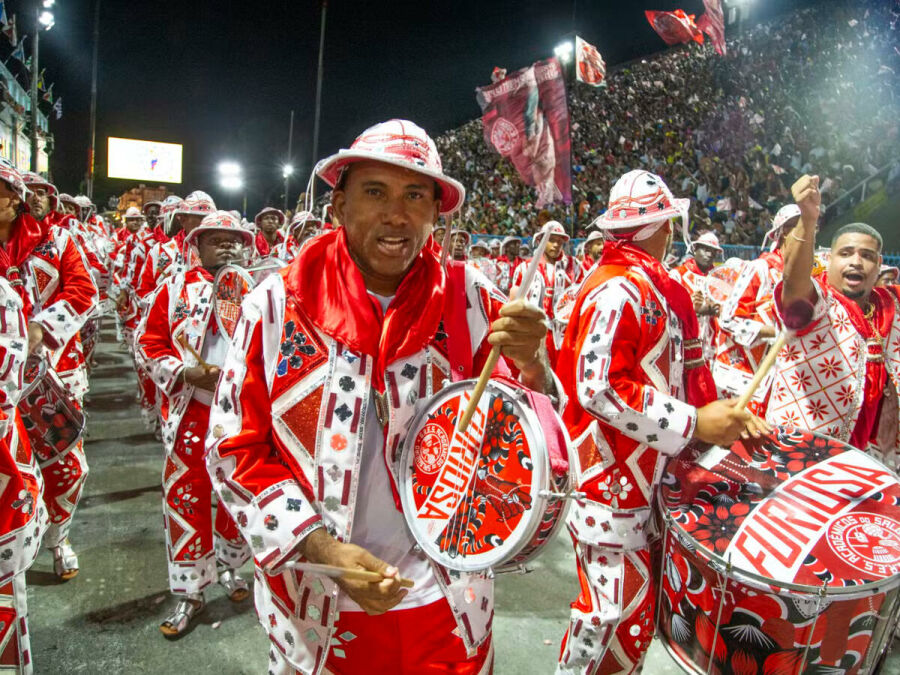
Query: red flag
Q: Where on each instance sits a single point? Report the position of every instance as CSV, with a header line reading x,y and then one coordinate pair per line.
x,y
590,67
674,27
712,22
526,120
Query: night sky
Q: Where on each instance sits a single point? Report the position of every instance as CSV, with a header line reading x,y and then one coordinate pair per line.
x,y
222,77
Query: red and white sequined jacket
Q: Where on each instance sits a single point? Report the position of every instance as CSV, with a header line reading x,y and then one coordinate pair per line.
x,y
163,260
694,279
839,375
181,312
624,365
287,422
23,516
63,296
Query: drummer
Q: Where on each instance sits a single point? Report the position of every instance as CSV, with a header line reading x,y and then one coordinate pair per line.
x,y
199,553
638,391
329,359
268,223
846,343
692,274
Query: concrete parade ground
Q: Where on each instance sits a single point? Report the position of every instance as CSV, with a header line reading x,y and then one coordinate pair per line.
x,y
106,620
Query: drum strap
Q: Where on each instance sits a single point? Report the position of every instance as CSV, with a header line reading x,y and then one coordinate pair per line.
x,y
459,347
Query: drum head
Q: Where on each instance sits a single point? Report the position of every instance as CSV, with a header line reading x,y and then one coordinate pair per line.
x,y
471,500
720,281
232,283
796,512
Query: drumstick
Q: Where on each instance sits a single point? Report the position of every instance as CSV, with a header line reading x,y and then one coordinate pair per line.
x,y
494,356
182,340
445,245
336,572
762,371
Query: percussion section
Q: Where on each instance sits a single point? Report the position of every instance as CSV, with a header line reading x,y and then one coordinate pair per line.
x,y
780,556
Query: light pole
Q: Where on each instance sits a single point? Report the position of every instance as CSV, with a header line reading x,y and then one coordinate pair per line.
x,y
93,150
318,109
231,179
287,171
46,20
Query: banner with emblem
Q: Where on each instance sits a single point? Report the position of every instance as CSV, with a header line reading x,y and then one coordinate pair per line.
x,y
712,22
526,119
674,27
590,67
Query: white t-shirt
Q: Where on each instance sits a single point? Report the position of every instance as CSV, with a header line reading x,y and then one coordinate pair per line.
x,y
378,526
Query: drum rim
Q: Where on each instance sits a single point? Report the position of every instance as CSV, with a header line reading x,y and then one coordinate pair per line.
x,y
540,470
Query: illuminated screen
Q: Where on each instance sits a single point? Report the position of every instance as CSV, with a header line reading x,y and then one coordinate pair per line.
x,y
144,160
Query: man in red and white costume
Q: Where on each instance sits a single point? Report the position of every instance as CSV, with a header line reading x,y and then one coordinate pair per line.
x,y
23,516
507,263
268,223
328,360
593,249
839,372
551,281
479,258
747,322
692,274
459,244
638,391
179,326
303,226
60,297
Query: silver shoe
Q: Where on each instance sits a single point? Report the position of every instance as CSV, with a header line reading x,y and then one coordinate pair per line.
x,y
237,588
185,612
65,562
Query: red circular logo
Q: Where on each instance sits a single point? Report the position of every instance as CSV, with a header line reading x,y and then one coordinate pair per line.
x,y
868,541
431,448
504,136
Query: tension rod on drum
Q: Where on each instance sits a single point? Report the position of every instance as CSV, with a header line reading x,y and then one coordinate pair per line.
x,y
819,597
723,589
570,494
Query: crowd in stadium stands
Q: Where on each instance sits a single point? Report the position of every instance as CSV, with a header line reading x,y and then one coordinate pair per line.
x,y
805,93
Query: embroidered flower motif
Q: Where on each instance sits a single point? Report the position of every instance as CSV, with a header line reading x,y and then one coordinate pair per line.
x,y
338,442
830,366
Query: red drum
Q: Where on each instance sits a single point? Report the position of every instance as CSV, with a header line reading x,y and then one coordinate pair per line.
x,y
231,284
721,280
51,416
492,497
779,557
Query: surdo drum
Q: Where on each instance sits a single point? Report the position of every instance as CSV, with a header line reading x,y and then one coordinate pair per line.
x,y
489,498
779,557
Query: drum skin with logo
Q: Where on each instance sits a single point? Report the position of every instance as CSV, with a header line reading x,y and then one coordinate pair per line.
x,y
488,498
779,557
50,415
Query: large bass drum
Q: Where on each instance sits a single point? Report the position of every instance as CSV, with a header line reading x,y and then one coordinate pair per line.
x,y
779,557
492,497
50,415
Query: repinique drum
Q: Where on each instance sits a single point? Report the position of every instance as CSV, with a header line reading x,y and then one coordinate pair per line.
x,y
50,415
231,284
492,497
780,557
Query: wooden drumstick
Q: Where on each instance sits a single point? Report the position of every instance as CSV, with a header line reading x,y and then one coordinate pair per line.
x,y
182,340
494,356
336,572
762,371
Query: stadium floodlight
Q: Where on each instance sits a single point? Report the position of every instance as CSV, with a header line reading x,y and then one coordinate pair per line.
x,y
46,19
564,50
287,170
231,183
229,168
49,3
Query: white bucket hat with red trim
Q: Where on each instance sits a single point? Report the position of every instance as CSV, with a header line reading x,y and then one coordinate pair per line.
x,y
35,180
710,240
198,203
480,243
400,143
272,210
554,228
784,214
304,219
133,212
464,233
640,198
220,221
167,211
10,176
147,205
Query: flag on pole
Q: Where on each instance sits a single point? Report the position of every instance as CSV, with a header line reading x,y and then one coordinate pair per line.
x,y
19,52
48,95
9,28
590,67
41,84
674,27
712,22
526,120
57,107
